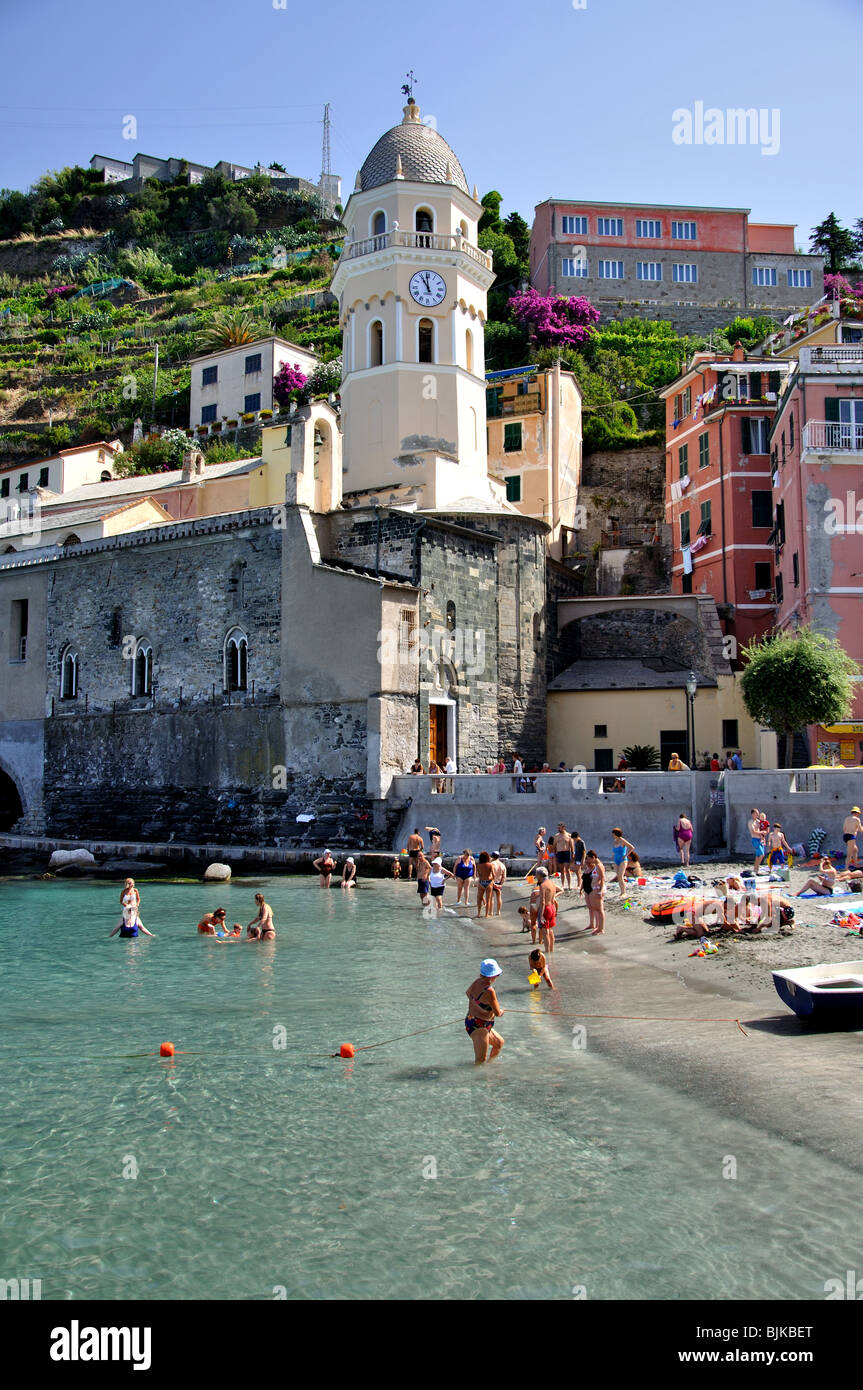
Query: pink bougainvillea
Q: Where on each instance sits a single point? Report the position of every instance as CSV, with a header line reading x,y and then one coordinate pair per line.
x,y
836,286
288,383
553,319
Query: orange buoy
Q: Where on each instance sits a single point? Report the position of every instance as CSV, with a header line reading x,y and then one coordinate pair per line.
x,y
347,1050
166,1050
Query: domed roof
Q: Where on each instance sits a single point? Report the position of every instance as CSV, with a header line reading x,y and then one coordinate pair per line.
x,y
412,151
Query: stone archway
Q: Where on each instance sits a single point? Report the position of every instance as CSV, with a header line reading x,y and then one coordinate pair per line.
x,y
11,802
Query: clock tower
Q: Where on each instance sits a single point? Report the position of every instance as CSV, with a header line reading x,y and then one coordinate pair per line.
x,y
412,286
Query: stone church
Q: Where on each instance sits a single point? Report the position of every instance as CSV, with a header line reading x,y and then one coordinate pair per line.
x,y
229,678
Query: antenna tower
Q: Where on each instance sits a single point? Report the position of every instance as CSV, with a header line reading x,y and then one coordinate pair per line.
x,y
326,167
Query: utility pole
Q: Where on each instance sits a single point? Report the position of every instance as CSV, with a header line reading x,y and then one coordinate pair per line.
x,y
326,167
155,379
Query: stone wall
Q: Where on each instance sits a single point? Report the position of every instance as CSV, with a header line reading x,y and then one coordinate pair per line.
x,y
694,319
182,589
643,634
628,485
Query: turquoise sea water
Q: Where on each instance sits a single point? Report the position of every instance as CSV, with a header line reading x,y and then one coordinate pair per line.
x,y
263,1168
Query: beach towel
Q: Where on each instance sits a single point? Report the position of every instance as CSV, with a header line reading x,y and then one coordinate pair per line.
x,y
827,897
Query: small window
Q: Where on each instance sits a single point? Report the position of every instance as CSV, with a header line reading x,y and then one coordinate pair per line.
x,y
683,460
513,487
537,629
684,273
780,588
142,669
762,509
44,474
647,227
683,231
210,375
4,487
424,221
791,430
236,660
609,226
252,403
407,631
253,363
648,270
705,529
729,733
573,226
704,450
600,731
574,266
795,569
18,633
763,275
208,413
376,344
69,675
468,350
379,224
24,482
684,528
425,341
512,439
611,270
450,616
763,575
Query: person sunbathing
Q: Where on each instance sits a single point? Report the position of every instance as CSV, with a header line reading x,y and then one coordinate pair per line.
x,y
822,883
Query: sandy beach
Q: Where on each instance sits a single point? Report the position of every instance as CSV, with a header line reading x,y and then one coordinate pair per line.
x,y
742,964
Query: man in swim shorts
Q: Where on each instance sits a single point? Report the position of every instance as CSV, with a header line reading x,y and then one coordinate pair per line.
x,y
416,845
755,834
563,845
423,878
547,909
851,826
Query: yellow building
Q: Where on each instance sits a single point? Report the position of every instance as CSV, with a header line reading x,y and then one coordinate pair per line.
x,y
534,445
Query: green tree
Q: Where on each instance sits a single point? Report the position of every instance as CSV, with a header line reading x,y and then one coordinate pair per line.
x,y
791,680
835,241
519,234
490,219
231,328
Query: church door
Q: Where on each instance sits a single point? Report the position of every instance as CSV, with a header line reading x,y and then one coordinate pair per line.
x,y
437,734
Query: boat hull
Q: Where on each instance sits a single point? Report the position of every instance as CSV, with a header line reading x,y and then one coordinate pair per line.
x,y
822,989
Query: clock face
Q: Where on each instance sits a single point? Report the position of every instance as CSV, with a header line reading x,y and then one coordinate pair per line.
x,y
427,288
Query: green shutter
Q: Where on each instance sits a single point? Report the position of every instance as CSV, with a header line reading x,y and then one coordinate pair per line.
x,y
831,410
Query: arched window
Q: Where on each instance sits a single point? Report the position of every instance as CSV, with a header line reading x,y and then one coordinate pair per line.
x,y
105,476
69,675
462,226
379,223
376,344
468,350
424,223
425,341
236,657
142,668
10,550
450,616
72,539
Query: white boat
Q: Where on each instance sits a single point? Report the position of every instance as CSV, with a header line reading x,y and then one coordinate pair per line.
x,y
821,989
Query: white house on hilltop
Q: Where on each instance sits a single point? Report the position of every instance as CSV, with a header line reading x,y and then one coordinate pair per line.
x,y
237,380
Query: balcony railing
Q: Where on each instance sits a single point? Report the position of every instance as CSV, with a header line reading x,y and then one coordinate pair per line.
x,y
420,241
514,405
620,537
831,354
830,437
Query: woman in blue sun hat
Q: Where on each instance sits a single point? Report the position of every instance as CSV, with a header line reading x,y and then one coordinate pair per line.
x,y
482,1010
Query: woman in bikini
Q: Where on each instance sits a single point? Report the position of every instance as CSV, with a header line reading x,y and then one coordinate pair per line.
x,y
465,870
483,884
264,919
325,865
633,867
594,870
482,1010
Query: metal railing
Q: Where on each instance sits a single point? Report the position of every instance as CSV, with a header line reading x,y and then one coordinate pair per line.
x,y
620,537
829,353
834,437
421,241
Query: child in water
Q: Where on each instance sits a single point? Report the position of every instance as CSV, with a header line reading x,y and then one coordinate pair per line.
x,y
539,964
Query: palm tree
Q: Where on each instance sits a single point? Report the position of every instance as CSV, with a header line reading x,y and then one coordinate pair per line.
x,y
232,328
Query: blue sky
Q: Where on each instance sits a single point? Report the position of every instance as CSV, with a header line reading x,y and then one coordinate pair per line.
x,y
538,100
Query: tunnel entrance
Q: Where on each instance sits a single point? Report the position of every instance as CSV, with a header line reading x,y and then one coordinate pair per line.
x,y
11,808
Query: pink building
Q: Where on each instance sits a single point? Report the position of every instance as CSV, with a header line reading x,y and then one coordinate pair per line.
x,y
816,444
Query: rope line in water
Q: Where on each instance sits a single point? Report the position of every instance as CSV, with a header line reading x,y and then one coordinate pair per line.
x,y
641,1018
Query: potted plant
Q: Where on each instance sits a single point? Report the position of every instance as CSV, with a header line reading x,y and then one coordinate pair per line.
x,y
232,424
266,415
249,417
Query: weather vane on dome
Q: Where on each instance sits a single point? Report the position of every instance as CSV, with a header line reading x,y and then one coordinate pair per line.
x,y
408,87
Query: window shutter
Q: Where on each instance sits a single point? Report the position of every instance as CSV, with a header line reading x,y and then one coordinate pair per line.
x,y
831,410
755,386
746,435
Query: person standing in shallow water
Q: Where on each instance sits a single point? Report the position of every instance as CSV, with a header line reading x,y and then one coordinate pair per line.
x,y
482,1010
325,865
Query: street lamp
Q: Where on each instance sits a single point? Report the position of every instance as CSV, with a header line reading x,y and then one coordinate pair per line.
x,y
691,687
